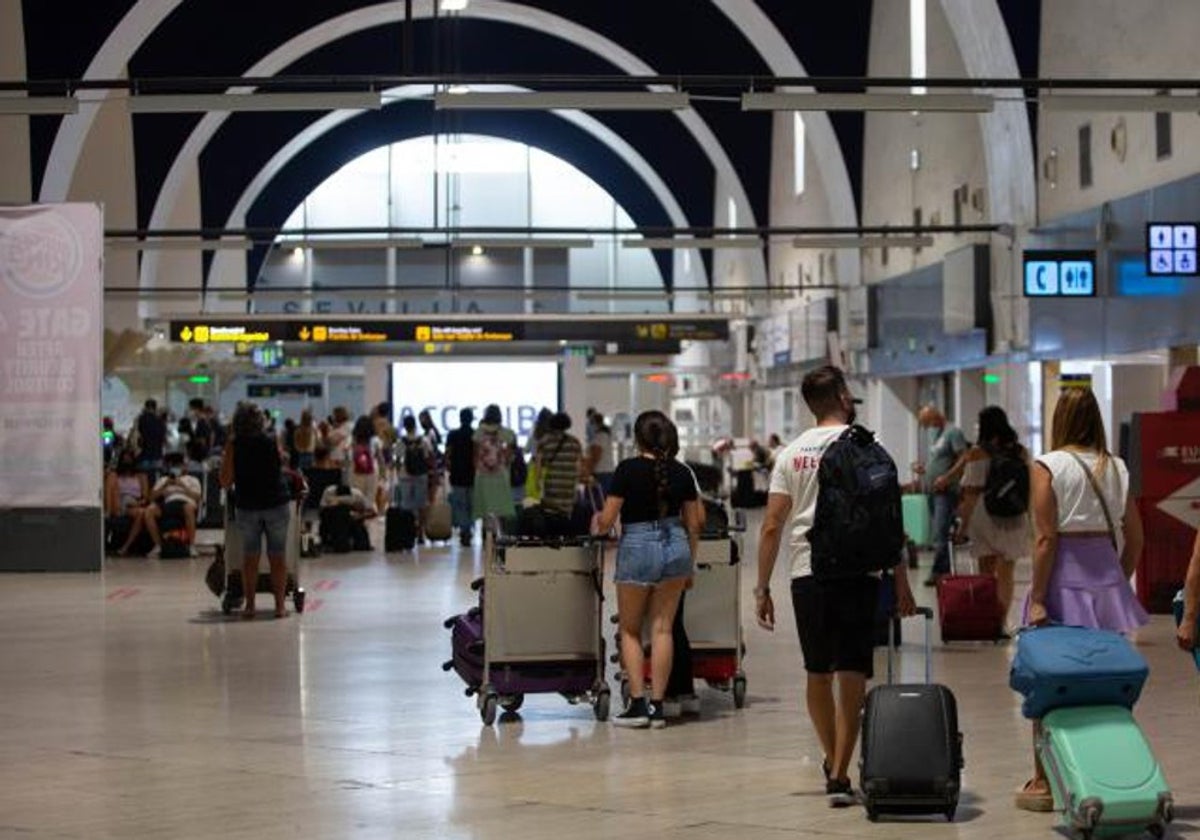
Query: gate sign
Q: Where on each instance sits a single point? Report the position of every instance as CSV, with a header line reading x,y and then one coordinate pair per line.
x,y
51,325
1060,274
1171,249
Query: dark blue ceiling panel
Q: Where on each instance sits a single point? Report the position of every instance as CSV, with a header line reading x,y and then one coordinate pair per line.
x,y
406,120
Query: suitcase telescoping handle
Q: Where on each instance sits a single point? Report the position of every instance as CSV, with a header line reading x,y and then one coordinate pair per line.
x,y
891,645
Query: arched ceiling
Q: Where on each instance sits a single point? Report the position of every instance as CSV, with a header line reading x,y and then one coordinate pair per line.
x,y
167,38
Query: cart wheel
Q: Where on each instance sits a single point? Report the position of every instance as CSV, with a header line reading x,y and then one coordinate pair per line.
x,y
487,711
601,707
739,692
298,598
512,702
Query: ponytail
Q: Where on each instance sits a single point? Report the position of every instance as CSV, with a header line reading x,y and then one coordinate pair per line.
x,y
656,435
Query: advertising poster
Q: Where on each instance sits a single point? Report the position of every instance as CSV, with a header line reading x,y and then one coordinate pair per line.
x,y
51,323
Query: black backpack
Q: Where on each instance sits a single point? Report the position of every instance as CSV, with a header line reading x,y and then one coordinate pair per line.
x,y
518,470
415,460
858,526
1006,489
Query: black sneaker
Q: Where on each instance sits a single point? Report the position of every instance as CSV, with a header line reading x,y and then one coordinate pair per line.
x,y
840,793
658,714
635,716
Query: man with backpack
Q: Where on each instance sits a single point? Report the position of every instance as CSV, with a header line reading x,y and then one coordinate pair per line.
x,y
414,456
838,493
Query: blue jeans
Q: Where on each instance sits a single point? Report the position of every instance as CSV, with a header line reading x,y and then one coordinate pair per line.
x,y
273,522
942,507
652,552
460,509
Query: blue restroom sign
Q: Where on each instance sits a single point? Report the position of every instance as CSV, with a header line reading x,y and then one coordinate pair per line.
x,y
1060,273
1171,249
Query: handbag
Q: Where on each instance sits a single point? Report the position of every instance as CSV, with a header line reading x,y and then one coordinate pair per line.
x,y
214,578
1112,532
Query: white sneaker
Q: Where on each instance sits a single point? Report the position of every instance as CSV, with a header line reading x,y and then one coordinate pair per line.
x,y
690,704
154,553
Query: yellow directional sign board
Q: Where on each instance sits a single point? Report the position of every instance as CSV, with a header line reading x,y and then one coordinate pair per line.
x,y
226,334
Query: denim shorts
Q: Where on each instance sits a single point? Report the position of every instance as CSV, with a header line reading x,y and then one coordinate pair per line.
x,y
652,552
273,522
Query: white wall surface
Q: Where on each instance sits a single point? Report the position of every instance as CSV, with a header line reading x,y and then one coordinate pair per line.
x,y
1115,39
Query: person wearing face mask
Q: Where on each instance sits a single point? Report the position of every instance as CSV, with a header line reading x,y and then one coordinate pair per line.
x,y
176,492
946,447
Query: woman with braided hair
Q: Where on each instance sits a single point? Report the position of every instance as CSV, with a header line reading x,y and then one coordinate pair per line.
x,y
656,500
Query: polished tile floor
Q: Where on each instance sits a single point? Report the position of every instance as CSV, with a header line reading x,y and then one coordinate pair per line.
x,y
131,707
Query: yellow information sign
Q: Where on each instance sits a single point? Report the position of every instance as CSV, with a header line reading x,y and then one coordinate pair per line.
x,y
206,334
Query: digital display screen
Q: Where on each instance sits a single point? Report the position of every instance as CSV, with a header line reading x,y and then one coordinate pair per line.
x,y
520,388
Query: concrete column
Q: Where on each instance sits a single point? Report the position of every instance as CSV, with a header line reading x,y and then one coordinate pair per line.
x,y
970,396
15,177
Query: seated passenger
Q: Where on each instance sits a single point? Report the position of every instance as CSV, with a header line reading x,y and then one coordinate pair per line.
x,y
175,494
344,512
126,494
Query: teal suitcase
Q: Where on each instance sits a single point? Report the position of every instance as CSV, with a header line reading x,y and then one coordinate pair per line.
x,y
915,509
1104,777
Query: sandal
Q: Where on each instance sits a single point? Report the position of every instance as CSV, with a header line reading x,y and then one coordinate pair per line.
x,y
1031,797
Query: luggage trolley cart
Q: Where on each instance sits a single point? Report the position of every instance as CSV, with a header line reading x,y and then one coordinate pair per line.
x,y
713,616
234,594
537,629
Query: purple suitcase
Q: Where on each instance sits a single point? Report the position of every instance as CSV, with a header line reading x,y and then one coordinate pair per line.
x,y
511,681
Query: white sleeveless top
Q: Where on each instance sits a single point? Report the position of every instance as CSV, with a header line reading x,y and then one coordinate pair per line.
x,y
1078,507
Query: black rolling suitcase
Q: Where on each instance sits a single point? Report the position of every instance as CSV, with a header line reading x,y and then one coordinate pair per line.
x,y
400,530
911,760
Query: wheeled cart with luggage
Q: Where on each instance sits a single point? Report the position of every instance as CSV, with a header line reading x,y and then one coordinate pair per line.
x,y
713,618
234,594
537,627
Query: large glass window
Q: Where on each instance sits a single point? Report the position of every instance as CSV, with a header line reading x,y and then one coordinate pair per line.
x,y
468,181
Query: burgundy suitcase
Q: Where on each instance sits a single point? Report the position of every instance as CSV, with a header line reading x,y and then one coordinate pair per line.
x,y
969,607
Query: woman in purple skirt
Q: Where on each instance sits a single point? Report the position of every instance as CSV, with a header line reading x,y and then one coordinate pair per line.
x,y
1087,539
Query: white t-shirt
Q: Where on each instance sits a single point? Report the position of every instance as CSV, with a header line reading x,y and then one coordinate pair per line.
x,y
1078,507
795,475
185,488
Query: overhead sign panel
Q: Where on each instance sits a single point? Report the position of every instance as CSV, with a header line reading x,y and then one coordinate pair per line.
x,y
450,331
1171,249
1060,274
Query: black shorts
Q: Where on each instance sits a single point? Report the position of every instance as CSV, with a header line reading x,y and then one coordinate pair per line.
x,y
836,623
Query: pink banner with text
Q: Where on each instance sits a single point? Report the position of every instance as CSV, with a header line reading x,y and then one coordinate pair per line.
x,y
51,347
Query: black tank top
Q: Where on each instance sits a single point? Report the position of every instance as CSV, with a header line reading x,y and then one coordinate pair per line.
x,y
257,473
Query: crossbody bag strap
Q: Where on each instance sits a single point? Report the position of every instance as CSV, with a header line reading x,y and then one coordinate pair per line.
x,y
1112,532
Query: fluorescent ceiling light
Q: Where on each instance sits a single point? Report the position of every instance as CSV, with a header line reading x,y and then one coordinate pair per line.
x,y
10,104
179,244
1121,102
178,103
576,100
454,5
350,244
676,244
928,102
863,242
526,242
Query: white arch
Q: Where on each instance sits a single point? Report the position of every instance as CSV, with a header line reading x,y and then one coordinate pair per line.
x,y
987,51
109,63
382,13
773,47
587,123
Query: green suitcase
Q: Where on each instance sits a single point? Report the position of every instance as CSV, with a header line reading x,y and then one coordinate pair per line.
x,y
915,508
1103,773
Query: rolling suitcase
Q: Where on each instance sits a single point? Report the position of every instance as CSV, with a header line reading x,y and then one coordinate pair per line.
x,y
911,755
438,524
400,530
1060,666
969,607
1103,774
